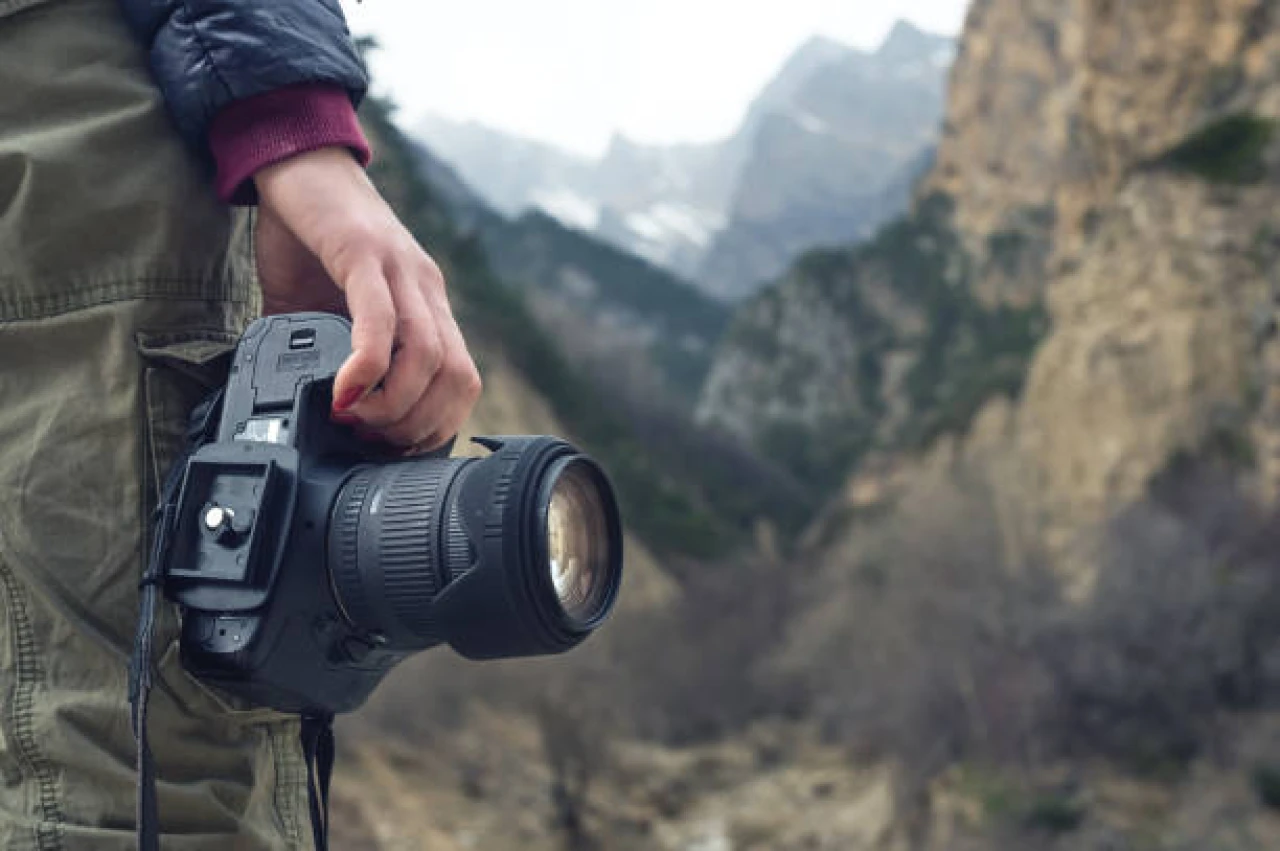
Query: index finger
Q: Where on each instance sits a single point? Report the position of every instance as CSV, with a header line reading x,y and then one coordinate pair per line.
x,y
373,328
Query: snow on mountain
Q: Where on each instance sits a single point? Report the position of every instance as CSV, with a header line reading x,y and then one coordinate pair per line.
x,y
569,207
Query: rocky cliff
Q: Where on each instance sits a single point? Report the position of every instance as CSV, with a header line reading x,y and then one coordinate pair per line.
x,y
1141,136
1112,164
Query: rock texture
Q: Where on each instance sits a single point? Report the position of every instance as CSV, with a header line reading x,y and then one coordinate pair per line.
x,y
1159,278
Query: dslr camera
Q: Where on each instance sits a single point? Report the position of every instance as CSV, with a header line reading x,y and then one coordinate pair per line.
x,y
308,563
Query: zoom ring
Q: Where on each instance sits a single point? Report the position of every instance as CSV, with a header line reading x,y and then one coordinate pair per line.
x,y
406,545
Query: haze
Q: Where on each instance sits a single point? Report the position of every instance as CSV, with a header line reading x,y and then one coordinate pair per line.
x,y
574,72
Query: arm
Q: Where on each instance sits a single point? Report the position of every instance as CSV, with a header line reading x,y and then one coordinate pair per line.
x,y
268,88
208,54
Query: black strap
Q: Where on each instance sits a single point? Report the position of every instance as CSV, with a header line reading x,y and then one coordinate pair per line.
x,y
318,750
141,664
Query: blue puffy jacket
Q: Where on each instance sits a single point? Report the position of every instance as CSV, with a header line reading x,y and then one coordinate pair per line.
x,y
206,54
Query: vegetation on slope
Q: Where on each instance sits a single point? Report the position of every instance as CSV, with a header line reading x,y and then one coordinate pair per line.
x,y
962,352
1230,150
533,250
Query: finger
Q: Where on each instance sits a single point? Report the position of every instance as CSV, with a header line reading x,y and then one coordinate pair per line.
x,y
415,360
448,402
373,327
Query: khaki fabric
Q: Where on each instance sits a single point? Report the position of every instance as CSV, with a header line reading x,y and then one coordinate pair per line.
x,y
122,282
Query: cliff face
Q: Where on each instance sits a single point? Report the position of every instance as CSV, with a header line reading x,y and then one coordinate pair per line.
x,y
1113,164
1144,130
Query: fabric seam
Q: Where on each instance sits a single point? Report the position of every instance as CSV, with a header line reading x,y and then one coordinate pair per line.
x,y
48,831
17,309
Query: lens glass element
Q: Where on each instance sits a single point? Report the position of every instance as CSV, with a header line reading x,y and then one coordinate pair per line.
x,y
578,543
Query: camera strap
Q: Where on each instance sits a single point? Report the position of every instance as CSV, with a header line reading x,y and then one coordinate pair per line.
x,y
200,429
318,751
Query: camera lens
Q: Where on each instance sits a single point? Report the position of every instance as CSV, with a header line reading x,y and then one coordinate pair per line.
x,y
578,541
515,554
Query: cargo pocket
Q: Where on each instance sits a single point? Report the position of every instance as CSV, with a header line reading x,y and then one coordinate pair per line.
x,y
182,368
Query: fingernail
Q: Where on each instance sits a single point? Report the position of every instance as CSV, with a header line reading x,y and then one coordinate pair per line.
x,y
344,418
349,398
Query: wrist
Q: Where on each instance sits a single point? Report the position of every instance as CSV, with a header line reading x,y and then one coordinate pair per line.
x,y
256,133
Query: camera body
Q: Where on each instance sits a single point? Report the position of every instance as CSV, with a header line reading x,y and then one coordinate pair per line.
x,y
273,636
307,564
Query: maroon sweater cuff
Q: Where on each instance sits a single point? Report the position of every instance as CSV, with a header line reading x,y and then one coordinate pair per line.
x,y
251,134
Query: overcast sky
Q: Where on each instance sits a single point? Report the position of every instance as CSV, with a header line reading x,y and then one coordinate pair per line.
x,y
574,71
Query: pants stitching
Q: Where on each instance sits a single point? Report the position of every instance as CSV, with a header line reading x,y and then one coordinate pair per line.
x,y
48,833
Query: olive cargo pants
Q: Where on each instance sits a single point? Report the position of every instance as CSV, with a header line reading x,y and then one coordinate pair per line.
x,y
121,282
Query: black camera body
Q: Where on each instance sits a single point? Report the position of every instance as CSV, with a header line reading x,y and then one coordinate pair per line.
x,y
308,563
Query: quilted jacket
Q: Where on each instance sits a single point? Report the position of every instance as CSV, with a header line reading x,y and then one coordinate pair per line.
x,y
206,54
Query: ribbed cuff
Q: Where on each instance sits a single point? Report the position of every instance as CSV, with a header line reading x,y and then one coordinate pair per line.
x,y
251,134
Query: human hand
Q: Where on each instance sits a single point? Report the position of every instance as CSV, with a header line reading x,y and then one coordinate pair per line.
x,y
326,240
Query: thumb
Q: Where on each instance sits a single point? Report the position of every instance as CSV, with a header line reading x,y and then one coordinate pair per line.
x,y
373,328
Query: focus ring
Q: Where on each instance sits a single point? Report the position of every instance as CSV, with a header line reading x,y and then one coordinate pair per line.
x,y
344,548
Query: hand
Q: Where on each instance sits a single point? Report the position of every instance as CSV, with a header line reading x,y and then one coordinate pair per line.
x,y
326,240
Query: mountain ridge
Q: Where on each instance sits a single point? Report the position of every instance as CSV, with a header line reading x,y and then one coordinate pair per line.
x,y
678,205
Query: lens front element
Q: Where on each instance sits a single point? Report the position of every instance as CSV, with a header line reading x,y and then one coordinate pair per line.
x,y
578,542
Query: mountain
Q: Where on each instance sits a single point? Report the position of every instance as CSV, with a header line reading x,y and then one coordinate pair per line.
x,y
611,311
660,203
508,171
628,321
872,348
833,153
824,153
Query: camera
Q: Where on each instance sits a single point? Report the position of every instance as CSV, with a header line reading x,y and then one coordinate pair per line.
x,y
308,563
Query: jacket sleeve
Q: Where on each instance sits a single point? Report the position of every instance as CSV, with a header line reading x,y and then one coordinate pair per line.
x,y
207,54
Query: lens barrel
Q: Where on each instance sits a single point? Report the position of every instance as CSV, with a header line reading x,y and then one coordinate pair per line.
x,y
515,554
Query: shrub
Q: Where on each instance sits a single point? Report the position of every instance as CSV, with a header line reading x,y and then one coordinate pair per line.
x,y
948,652
1229,150
1266,784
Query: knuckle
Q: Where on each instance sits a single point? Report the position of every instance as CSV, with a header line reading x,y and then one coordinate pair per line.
x,y
423,340
472,383
431,271
382,317
373,360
